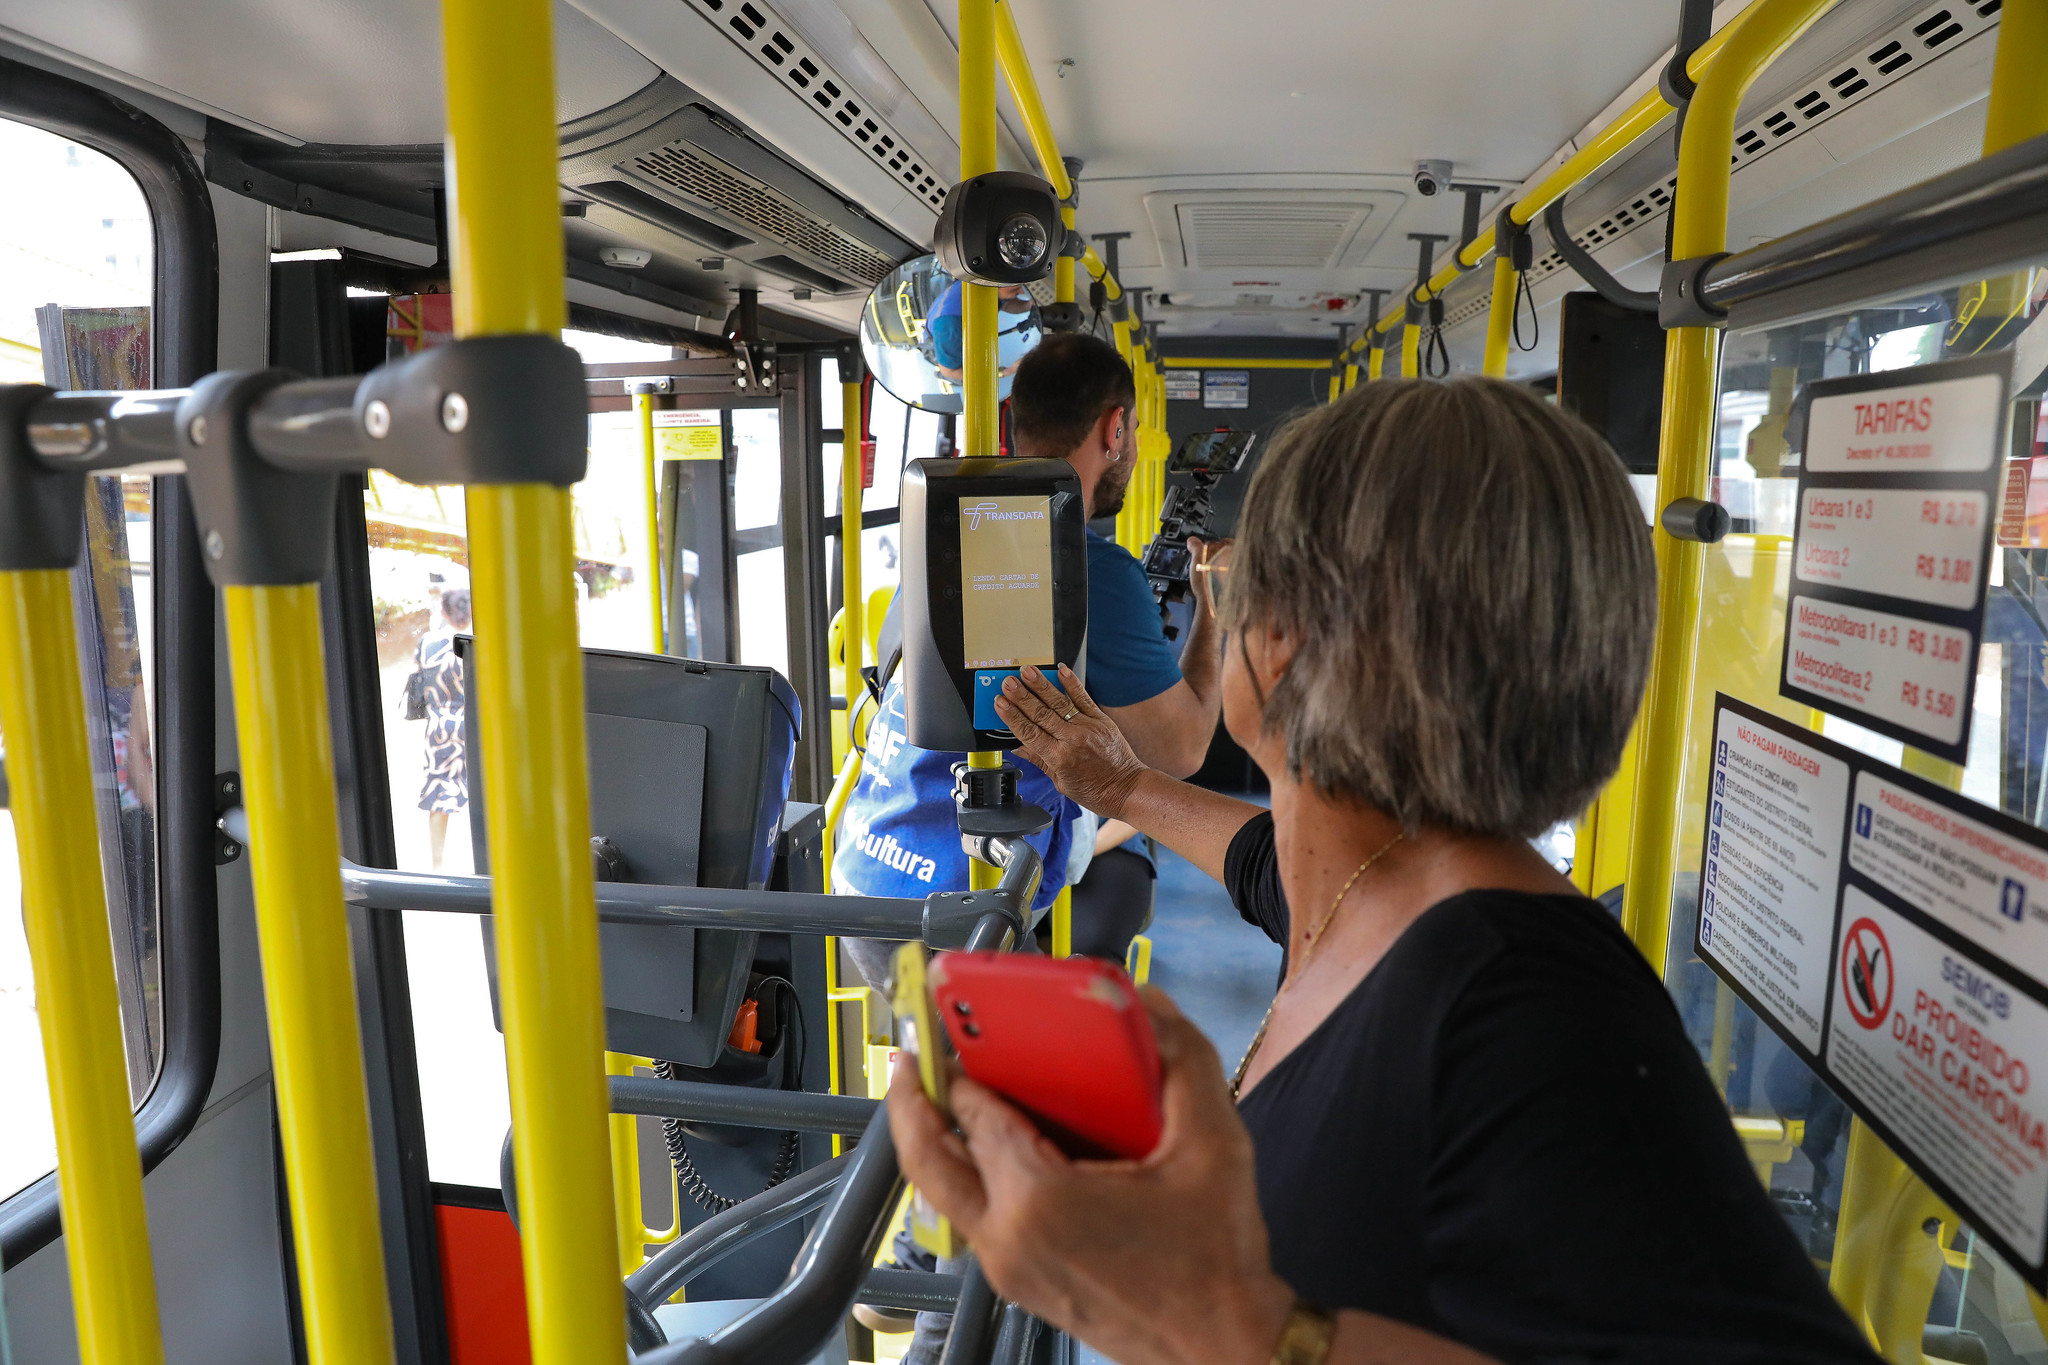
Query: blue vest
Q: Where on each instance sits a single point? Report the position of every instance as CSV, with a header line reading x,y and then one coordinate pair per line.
x,y
900,835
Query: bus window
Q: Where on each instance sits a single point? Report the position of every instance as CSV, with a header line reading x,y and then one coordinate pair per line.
x,y
1795,1128
75,278
419,562
762,624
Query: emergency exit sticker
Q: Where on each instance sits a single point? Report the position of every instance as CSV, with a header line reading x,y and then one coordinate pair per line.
x,y
689,434
1898,495
1943,1054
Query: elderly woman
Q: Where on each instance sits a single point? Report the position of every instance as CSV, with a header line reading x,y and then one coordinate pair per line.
x,y
1471,1126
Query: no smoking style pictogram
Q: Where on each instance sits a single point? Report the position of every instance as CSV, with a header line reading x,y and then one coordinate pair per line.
x,y
1866,973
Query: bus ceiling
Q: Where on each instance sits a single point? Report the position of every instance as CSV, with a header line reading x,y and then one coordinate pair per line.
x,y
1272,169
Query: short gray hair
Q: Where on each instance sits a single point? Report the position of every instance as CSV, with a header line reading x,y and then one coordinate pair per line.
x,y
1468,582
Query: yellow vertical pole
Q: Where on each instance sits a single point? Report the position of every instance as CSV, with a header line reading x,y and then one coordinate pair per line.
x,y
1411,350
1375,362
1063,923
71,956
977,157
1686,443
853,633
1063,266
1350,379
2018,108
627,1215
323,1105
981,437
1500,318
853,640
506,229
643,403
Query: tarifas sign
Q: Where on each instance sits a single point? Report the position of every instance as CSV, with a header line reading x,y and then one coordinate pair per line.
x,y
1895,934
1897,508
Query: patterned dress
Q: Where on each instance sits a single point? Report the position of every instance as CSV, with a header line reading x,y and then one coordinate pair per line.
x,y
447,784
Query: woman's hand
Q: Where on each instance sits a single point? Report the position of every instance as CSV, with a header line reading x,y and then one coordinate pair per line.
x,y
1070,739
1160,1260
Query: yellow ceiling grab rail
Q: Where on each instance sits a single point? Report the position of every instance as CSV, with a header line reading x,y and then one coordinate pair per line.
x,y
1646,113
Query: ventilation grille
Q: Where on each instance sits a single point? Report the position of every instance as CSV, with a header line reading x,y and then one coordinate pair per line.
x,y
1269,236
1890,57
775,46
688,171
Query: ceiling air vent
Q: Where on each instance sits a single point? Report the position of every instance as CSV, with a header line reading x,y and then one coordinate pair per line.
x,y
776,45
686,170
1222,236
1268,230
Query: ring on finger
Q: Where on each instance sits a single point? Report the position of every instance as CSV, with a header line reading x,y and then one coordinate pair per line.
x,y
1069,713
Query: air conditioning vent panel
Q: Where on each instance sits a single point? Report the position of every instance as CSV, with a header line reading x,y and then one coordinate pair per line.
x,y
650,209
694,173
1264,230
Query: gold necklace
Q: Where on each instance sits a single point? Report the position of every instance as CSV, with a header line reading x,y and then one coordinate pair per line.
x,y
1307,949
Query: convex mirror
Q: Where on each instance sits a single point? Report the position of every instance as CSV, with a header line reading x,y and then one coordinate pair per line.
x,y
910,334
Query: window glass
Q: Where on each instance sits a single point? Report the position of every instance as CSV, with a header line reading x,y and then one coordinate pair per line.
x,y
1794,1126
419,563
757,537
75,279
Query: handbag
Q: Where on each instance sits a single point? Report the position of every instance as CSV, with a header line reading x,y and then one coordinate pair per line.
x,y
416,688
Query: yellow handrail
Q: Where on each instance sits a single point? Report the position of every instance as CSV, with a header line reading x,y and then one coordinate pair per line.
x,y
643,404
1024,87
1189,362
1639,118
979,388
853,635
323,1103
71,955
1691,362
506,233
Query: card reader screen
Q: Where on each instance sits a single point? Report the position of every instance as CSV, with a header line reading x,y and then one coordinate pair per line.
x,y
1006,600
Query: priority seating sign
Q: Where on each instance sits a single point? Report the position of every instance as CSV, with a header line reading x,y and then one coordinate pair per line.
x,y
1895,934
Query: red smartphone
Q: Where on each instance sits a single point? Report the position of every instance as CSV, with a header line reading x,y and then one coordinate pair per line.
x,y
1065,1039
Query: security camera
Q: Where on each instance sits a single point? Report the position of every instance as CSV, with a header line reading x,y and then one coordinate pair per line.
x,y
1431,177
625,257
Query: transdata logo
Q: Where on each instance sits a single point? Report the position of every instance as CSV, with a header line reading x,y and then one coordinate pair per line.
x,y
978,512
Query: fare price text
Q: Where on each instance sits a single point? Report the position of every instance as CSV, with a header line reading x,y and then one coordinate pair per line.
x,y
1898,668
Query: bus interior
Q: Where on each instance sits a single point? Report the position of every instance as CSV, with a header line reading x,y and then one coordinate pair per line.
x,y
402,1085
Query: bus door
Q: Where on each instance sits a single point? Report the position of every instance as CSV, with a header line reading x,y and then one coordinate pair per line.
x,y
734,467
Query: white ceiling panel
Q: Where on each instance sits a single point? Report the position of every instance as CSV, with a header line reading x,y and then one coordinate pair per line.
x,y
345,71
1357,86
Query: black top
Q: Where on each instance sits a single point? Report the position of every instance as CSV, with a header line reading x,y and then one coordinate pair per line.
x,y
1503,1135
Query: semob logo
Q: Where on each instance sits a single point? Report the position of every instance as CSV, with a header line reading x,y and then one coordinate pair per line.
x,y
977,513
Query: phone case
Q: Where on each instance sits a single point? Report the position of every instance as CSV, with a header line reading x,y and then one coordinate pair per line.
x,y
926,1041
1066,1039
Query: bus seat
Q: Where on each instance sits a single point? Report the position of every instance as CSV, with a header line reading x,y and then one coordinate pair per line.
x,y
665,734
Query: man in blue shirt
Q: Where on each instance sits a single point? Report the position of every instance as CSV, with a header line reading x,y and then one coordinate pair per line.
x,y
943,325
1072,399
